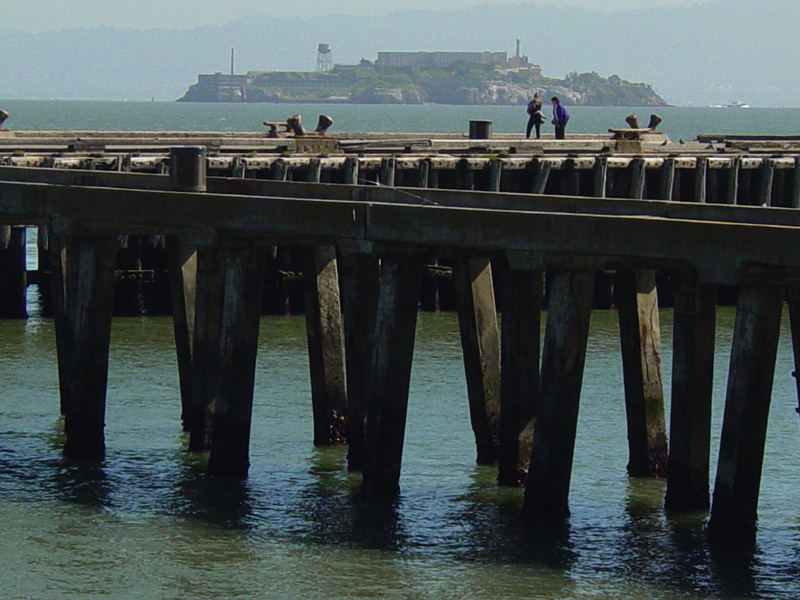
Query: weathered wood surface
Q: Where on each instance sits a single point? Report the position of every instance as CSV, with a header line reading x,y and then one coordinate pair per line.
x,y
744,428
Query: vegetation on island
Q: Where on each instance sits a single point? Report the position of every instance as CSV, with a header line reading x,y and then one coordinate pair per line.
x,y
456,83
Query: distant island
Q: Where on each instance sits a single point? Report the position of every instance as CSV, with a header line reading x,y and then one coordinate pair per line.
x,y
461,78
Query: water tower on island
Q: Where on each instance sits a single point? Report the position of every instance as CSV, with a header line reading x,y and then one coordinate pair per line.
x,y
324,58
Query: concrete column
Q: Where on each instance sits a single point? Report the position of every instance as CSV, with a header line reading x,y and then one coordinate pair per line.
x,y
519,377
480,341
89,316
640,337
60,290
387,403
744,428
692,390
563,359
233,407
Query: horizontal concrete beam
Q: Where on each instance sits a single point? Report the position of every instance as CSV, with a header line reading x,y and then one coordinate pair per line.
x,y
723,252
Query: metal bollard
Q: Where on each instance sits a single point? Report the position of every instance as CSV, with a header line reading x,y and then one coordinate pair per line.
x,y
187,169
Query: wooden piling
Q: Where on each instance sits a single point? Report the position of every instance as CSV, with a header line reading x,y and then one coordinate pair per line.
x,y
667,179
358,282
692,389
209,296
480,342
600,181
733,181
519,377
700,179
638,174
187,174
13,273
795,203
766,178
89,317
387,402
325,333
233,405
640,337
325,345
59,289
543,168
564,355
744,429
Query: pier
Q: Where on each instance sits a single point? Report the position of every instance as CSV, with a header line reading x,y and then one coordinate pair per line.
x,y
522,225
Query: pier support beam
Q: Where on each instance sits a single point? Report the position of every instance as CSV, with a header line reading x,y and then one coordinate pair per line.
x,y
692,389
640,338
480,341
387,401
209,296
13,273
358,281
563,359
744,428
325,345
88,314
519,378
233,405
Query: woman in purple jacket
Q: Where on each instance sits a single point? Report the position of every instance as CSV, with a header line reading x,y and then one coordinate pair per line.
x,y
560,117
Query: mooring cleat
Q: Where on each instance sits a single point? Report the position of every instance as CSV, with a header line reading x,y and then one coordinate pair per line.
x,y
655,120
295,124
632,121
323,123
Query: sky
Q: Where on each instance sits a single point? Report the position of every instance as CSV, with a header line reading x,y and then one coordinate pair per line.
x,y
49,15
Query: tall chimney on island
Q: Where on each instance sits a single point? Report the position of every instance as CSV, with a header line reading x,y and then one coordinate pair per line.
x,y
233,72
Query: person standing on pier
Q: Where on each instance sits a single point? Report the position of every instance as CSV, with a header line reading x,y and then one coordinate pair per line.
x,y
535,116
560,117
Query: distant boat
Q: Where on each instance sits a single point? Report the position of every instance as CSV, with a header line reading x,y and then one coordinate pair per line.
x,y
731,105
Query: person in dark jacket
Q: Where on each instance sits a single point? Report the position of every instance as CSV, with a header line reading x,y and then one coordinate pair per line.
x,y
560,117
535,116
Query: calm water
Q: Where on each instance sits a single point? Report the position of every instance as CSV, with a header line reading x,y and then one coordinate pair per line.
x,y
147,523
679,123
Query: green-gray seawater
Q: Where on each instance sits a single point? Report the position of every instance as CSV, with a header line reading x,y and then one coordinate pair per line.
x,y
147,523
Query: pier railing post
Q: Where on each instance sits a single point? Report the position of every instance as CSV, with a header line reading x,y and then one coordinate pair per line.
x,y
563,358
693,345
390,375
744,427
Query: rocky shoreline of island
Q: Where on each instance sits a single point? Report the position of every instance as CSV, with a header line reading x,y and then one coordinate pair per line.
x,y
454,84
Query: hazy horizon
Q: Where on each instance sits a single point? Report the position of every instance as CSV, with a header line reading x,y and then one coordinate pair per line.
x,y
692,52
37,16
